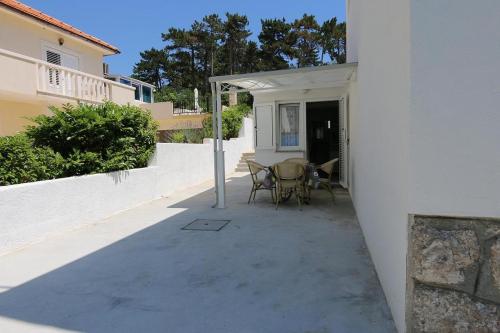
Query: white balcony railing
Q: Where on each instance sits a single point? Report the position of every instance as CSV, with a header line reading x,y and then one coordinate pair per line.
x,y
66,82
27,75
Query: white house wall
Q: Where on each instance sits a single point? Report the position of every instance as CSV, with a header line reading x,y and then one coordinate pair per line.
x,y
379,111
455,109
25,36
271,156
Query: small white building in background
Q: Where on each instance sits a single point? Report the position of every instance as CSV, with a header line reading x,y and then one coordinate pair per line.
x,y
414,117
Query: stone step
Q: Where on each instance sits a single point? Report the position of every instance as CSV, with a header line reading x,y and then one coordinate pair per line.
x,y
242,164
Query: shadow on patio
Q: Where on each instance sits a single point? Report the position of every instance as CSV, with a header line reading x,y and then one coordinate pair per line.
x,y
268,270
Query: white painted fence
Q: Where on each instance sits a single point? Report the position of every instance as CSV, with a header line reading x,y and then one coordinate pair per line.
x,y
32,211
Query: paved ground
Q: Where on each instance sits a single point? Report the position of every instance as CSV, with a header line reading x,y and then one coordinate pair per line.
x,y
268,270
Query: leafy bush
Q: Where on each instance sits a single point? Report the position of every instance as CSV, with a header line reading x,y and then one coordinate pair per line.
x,y
20,162
177,137
78,140
194,135
97,138
176,96
232,120
189,135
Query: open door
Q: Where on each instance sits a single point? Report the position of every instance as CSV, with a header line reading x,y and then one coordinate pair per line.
x,y
344,141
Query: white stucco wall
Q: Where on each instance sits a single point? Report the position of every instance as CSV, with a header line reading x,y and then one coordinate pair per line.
x,y
27,36
379,111
425,135
30,212
455,108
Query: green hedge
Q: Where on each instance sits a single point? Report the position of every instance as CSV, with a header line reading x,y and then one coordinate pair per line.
x,y
78,140
20,162
232,120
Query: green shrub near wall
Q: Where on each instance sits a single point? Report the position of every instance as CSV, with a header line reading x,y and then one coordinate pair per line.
x,y
188,135
78,140
178,137
232,120
20,162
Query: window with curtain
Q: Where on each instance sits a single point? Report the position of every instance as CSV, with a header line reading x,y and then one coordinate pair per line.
x,y
289,125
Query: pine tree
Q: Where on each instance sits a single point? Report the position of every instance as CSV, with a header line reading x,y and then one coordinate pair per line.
x,y
275,48
152,66
306,33
234,42
251,59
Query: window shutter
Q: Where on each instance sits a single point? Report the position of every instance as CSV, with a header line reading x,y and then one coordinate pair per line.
x,y
264,126
53,57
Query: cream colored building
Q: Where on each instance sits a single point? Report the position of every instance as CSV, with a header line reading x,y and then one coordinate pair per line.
x,y
44,62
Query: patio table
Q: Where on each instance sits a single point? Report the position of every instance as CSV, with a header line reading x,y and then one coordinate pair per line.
x,y
311,179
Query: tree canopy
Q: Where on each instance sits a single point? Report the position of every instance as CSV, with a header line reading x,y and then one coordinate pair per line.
x,y
222,45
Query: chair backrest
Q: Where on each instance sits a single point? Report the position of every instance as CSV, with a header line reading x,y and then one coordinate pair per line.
x,y
328,167
299,160
254,169
289,170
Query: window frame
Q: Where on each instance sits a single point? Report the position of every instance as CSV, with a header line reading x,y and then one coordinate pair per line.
x,y
150,94
279,146
138,91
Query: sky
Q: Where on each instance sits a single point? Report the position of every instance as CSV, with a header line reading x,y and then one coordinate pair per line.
x,y
134,26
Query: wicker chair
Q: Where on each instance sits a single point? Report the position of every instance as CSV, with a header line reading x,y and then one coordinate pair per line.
x,y
304,162
326,183
299,160
257,183
289,179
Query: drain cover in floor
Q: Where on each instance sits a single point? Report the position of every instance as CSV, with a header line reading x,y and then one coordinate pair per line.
x,y
206,225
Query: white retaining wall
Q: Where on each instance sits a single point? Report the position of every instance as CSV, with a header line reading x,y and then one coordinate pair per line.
x,y
32,211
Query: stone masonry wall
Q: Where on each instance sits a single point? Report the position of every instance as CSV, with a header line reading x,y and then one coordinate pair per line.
x,y
453,275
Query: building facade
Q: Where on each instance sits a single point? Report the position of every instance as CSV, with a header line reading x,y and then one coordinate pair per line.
x,y
46,62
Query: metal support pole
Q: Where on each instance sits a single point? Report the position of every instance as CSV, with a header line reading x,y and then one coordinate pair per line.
x,y
221,177
214,136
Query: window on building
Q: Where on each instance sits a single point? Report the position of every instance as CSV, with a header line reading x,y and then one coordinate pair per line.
x,y
146,94
137,91
125,81
289,126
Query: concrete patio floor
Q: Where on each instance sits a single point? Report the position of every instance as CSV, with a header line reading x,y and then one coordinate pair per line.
x,y
267,270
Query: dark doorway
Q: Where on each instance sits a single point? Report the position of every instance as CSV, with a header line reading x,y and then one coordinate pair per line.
x,y
323,139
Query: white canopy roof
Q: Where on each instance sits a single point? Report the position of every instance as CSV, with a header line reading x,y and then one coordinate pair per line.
x,y
327,76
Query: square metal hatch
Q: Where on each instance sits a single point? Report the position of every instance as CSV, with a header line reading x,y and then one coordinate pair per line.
x,y
206,225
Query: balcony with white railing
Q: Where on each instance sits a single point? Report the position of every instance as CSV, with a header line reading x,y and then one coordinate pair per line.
x,y
60,81
24,75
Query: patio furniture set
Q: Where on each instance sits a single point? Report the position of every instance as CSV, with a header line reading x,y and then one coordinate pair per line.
x,y
293,176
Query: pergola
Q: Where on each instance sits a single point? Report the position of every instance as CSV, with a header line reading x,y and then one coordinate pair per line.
x,y
307,78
